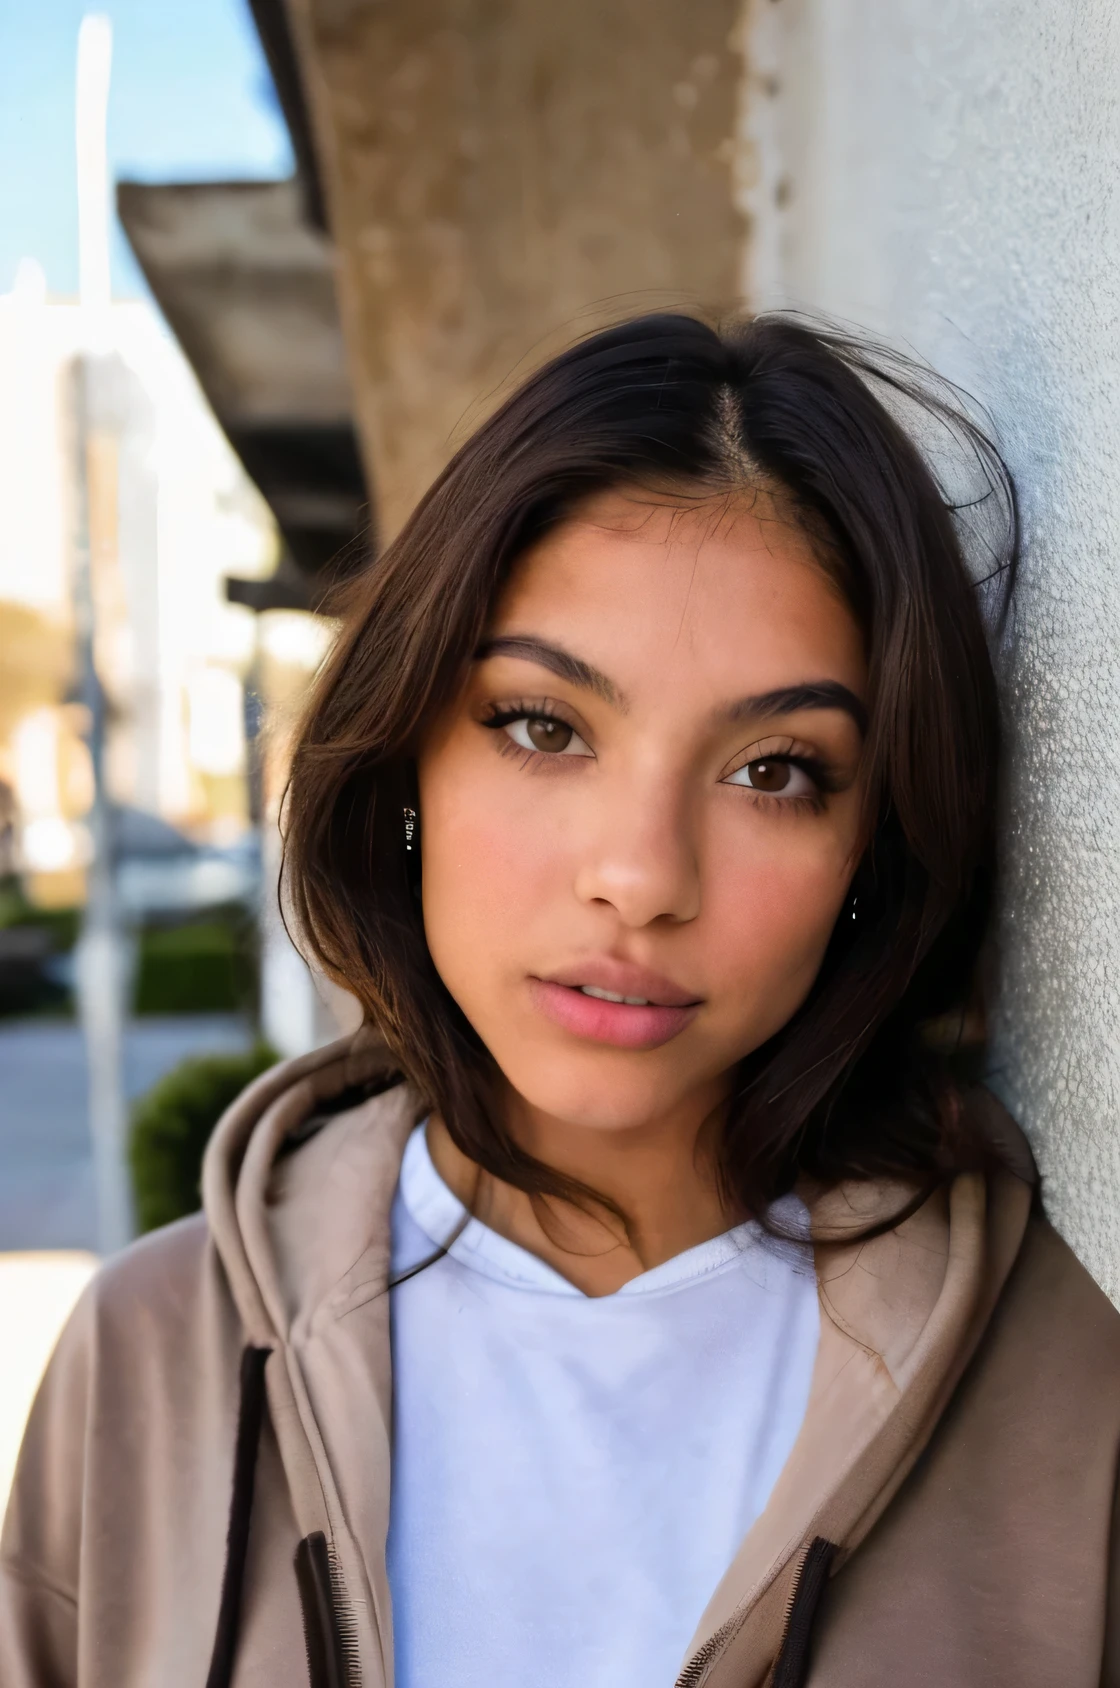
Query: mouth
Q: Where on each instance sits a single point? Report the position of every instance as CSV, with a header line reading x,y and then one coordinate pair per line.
x,y
634,1010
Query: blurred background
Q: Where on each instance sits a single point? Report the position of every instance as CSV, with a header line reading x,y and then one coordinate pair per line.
x,y
263,263
179,481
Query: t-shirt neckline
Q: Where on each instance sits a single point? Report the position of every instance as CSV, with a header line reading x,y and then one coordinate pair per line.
x,y
439,1214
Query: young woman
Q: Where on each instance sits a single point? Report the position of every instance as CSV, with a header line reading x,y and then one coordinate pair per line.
x,y
639,1298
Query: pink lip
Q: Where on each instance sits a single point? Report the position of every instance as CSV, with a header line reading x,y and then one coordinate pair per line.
x,y
625,978
668,1010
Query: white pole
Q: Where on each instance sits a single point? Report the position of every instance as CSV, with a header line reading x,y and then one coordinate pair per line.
x,y
102,955
91,112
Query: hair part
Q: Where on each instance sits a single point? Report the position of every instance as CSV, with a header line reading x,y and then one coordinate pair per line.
x,y
839,432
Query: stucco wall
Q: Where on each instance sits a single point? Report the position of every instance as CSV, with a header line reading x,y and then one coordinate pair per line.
x,y
949,173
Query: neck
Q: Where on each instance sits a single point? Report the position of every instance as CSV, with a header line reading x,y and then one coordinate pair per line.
x,y
660,1176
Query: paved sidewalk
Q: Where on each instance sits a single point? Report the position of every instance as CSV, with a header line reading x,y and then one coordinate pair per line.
x,y
46,1172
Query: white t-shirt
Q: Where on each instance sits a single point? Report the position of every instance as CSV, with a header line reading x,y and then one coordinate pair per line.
x,y
572,1475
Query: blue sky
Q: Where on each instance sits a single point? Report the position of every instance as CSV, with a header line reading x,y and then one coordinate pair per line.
x,y
190,100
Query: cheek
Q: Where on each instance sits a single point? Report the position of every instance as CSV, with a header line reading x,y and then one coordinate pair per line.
x,y
772,913
489,866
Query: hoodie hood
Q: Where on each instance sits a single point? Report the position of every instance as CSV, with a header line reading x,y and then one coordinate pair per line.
x,y
298,1185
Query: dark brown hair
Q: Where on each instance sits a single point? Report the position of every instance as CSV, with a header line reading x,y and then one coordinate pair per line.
x,y
850,1086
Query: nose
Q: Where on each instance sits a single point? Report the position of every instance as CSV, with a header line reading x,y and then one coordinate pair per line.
x,y
642,860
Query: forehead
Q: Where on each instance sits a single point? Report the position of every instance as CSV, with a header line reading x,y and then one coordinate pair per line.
x,y
725,594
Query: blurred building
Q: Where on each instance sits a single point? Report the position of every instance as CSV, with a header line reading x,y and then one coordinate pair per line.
x,y
246,284
172,513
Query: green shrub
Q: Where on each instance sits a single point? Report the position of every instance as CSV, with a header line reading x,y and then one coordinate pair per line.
x,y
30,940
197,968
171,1126
15,910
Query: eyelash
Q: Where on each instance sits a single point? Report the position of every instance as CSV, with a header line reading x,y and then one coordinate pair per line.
x,y
809,765
499,716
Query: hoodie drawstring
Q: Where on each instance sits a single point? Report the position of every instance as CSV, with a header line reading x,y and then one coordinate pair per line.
x,y
250,1420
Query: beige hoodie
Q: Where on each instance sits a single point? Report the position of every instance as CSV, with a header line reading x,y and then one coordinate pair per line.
x,y
945,1516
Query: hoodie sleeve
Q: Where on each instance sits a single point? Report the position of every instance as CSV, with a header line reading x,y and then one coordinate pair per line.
x,y
41,1545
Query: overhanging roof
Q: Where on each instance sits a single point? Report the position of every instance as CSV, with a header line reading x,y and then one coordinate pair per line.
x,y
247,287
271,19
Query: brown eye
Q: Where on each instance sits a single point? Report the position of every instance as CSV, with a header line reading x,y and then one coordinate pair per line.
x,y
769,776
545,733
548,735
775,776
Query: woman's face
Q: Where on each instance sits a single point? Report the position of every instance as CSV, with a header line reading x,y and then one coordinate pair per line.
x,y
640,818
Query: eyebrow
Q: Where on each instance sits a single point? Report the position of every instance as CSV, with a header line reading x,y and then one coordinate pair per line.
x,y
557,660
784,700
811,694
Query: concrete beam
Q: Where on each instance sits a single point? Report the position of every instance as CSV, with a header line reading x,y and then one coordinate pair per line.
x,y
503,174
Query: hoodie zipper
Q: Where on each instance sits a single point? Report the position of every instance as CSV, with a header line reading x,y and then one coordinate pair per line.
x,y
792,1663
345,1627
694,1670
327,1663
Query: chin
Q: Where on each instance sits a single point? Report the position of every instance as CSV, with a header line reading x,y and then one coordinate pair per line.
x,y
607,1090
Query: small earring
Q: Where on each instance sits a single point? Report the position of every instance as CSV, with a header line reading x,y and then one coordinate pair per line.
x,y
854,901
410,820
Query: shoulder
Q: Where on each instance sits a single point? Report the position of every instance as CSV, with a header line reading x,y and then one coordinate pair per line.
x,y
156,1285
155,1326
158,1262
154,1329
1049,1277
1050,1304
1054,1340
147,1361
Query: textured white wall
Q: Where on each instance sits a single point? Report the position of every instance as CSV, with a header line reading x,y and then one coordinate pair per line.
x,y
949,173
